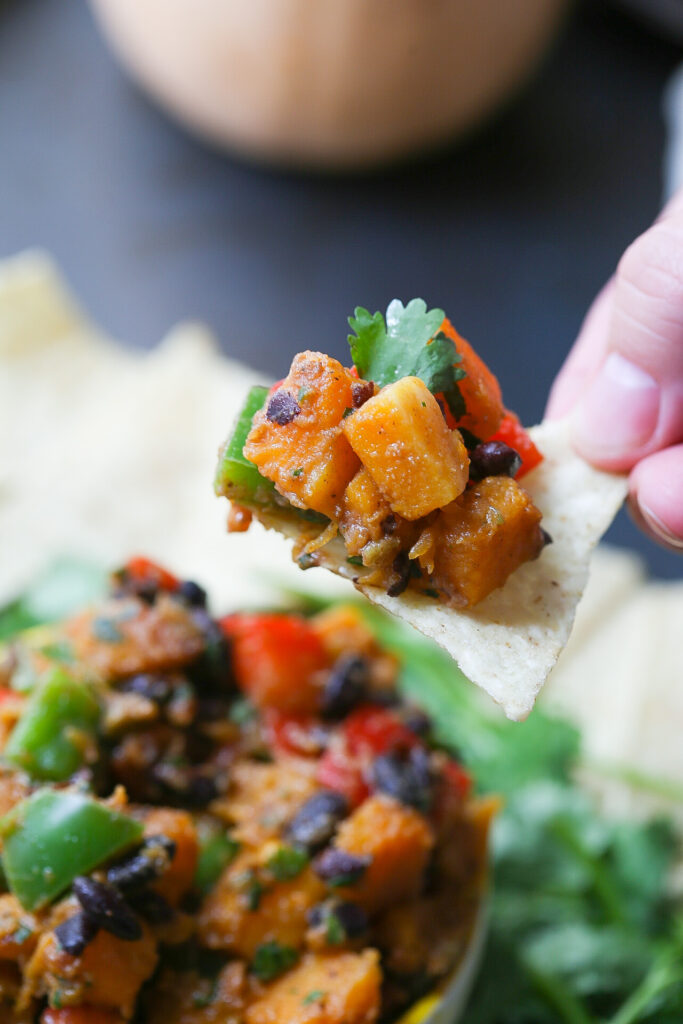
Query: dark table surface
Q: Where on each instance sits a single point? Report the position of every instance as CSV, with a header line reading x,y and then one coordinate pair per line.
x,y
512,231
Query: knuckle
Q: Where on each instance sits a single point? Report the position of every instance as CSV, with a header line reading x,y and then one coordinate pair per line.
x,y
652,266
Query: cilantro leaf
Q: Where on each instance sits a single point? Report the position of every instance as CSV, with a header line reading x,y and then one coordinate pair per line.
x,y
408,343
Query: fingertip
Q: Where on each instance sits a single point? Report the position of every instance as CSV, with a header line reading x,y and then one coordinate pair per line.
x,y
656,497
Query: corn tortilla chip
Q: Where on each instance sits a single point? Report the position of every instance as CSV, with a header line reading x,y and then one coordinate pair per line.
x,y
509,642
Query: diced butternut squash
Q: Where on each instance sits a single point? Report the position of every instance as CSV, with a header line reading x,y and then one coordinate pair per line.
x,y
120,639
364,510
239,915
483,537
178,826
109,973
333,988
306,456
342,628
479,388
264,797
401,437
399,841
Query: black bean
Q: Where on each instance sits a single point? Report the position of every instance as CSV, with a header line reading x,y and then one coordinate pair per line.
x,y
192,593
493,458
144,866
352,918
212,670
107,908
361,391
401,575
338,867
469,438
389,525
151,905
346,686
417,721
547,539
316,821
282,408
77,932
154,688
201,790
406,777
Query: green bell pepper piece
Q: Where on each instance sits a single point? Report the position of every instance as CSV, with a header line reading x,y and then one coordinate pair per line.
x,y
236,477
55,835
57,725
216,851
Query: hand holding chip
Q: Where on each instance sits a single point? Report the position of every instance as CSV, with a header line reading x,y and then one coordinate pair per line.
x,y
623,379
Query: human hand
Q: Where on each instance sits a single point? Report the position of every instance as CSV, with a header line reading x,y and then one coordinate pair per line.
x,y
622,382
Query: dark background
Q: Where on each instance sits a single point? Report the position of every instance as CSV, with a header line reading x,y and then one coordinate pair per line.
x,y
512,231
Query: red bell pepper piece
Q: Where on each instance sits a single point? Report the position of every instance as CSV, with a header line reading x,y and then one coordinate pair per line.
x,y
276,659
512,433
144,570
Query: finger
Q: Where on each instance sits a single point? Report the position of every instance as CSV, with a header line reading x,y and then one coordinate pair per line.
x,y
634,405
584,360
656,496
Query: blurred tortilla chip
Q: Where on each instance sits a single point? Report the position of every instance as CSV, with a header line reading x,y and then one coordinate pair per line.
x,y
509,643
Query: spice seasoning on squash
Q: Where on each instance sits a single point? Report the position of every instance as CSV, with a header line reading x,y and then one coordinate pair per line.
x,y
381,453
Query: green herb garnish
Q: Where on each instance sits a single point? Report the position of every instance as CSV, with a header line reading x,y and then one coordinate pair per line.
x,y
286,863
334,931
408,343
313,997
272,959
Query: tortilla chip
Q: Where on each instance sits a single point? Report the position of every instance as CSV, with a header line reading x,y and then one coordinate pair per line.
x,y
509,642
110,451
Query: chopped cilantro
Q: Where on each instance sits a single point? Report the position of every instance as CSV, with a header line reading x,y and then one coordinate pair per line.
x,y
242,711
22,933
254,893
271,959
355,560
287,863
304,393
297,472
313,997
334,931
408,344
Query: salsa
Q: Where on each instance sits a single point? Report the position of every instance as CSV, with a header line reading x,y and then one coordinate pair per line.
x,y
408,457
233,819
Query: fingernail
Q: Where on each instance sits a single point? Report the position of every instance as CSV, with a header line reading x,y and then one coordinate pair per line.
x,y
619,413
659,529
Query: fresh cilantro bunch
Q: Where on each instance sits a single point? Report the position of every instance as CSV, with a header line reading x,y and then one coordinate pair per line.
x,y
409,343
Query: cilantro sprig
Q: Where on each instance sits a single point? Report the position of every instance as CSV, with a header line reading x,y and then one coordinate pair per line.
x,y
407,343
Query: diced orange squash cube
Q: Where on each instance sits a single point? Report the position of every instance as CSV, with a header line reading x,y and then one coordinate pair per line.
x,y
399,841
178,826
401,437
236,918
307,458
342,628
264,797
364,509
109,972
483,537
479,388
325,988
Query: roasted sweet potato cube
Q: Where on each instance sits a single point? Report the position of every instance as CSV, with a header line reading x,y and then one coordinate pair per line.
x,y
364,509
483,537
264,797
297,440
401,437
325,988
239,915
399,841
